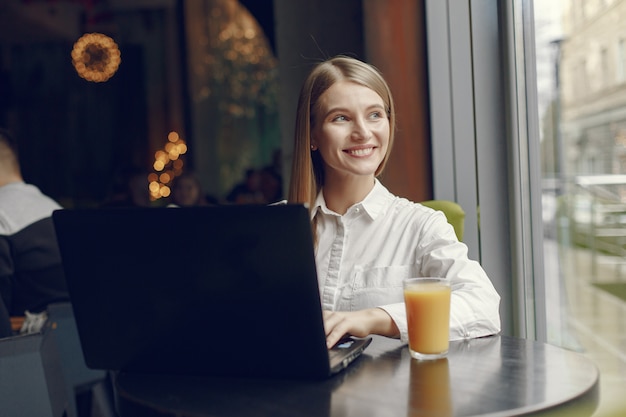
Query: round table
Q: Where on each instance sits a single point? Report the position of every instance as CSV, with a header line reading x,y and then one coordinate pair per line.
x,y
493,376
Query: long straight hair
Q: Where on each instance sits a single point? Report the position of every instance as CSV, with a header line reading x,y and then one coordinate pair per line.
x,y
307,169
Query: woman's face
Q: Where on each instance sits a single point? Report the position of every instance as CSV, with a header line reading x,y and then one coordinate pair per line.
x,y
351,130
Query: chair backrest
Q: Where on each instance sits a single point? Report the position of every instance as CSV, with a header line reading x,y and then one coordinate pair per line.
x,y
31,378
453,211
44,373
79,380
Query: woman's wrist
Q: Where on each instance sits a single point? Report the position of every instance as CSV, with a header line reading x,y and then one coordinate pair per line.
x,y
382,323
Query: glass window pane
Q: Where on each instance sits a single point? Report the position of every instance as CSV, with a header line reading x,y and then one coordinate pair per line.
x,y
581,74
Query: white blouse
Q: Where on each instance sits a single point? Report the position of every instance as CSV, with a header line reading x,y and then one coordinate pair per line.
x,y
363,256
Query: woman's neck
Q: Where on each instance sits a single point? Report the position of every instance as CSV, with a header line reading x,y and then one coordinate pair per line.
x,y
9,177
342,194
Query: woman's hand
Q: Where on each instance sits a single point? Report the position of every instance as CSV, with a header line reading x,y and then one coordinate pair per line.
x,y
358,323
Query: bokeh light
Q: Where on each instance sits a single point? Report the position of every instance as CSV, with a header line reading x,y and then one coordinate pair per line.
x,y
96,57
167,165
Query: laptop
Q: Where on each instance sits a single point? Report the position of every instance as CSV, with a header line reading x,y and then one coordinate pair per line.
x,y
222,290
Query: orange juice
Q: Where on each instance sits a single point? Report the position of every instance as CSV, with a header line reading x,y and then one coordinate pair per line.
x,y
427,304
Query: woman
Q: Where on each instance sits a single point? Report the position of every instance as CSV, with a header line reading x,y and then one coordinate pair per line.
x,y
368,240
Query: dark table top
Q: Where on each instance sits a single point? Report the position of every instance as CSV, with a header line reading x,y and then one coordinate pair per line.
x,y
495,376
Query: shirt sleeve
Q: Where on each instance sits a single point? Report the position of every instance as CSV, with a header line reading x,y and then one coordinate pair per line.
x,y
398,315
474,309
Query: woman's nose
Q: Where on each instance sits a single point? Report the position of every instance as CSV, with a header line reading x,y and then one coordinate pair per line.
x,y
360,130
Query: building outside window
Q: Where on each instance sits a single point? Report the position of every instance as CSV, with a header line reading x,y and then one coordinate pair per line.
x,y
583,151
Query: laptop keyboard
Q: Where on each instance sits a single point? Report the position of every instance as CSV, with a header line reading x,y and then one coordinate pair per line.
x,y
338,349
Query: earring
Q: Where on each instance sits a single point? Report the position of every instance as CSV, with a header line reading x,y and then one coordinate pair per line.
x,y
313,148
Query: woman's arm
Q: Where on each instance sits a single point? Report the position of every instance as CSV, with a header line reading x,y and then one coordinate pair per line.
x,y
358,323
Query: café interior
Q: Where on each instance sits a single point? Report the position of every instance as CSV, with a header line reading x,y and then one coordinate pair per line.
x,y
99,91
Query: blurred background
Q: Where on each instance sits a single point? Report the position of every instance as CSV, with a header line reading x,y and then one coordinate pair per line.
x,y
182,86
104,93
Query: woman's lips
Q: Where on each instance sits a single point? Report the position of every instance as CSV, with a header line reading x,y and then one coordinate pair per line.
x,y
360,151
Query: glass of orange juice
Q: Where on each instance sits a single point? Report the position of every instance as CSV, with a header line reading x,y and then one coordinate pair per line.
x,y
427,302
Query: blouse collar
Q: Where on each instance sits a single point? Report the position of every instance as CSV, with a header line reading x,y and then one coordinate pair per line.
x,y
374,203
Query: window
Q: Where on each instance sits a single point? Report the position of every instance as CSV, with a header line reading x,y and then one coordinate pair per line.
x,y
584,183
621,61
604,68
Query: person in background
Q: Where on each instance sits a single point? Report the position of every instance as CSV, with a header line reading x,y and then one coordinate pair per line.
x,y
131,190
5,321
31,272
187,191
249,190
271,185
367,239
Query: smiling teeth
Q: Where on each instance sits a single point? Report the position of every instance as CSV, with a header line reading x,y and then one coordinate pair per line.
x,y
360,152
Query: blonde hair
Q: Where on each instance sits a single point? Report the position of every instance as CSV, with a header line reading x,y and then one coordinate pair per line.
x,y
307,170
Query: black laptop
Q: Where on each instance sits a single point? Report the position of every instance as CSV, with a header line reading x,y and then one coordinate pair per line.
x,y
224,290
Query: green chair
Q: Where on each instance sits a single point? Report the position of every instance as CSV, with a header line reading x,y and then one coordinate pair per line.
x,y
453,211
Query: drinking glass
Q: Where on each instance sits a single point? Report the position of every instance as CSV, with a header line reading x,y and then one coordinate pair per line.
x,y
427,302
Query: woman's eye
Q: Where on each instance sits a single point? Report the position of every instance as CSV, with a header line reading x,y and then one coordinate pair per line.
x,y
339,118
376,115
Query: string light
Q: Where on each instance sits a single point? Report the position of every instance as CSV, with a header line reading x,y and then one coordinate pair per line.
x,y
167,165
96,57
